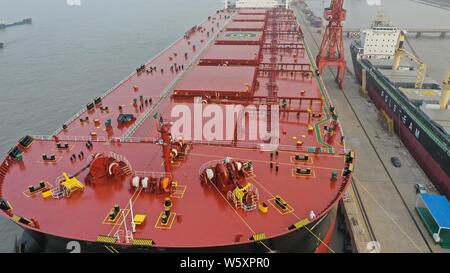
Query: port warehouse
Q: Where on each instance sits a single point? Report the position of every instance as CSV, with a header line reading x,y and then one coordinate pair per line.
x,y
434,211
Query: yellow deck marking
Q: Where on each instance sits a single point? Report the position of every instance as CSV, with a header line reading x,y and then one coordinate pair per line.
x,y
57,159
169,223
27,192
56,149
297,175
297,162
107,221
288,209
257,160
142,242
126,208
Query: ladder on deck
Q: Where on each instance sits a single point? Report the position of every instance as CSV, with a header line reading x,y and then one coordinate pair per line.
x,y
126,170
58,192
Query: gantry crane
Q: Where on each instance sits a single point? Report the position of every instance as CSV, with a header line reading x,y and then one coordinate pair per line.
x,y
445,90
332,48
402,53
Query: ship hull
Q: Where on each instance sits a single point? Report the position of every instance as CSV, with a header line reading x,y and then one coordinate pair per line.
x,y
314,237
302,240
430,157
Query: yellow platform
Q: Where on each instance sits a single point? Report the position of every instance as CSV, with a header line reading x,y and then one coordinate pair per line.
x,y
139,219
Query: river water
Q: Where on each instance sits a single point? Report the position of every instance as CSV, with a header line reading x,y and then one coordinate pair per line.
x,y
73,53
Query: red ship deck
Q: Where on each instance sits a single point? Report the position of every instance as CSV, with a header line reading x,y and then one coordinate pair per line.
x,y
201,215
205,217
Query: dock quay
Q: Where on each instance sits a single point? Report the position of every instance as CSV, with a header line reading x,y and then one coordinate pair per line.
x,y
379,207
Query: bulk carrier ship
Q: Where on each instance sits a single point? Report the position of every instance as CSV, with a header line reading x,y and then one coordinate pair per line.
x,y
116,178
413,105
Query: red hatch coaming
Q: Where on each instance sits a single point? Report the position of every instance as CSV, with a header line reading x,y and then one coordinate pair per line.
x,y
245,26
249,18
221,80
228,55
252,11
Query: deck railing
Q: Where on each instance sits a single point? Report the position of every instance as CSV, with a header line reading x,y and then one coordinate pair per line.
x,y
121,158
152,174
225,143
96,139
260,146
4,168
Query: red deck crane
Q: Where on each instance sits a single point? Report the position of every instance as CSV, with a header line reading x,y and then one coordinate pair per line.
x,y
332,49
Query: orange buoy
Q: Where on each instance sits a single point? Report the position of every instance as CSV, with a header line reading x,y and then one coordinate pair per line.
x,y
165,184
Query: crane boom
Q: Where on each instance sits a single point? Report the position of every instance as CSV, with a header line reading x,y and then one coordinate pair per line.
x,y
402,53
445,90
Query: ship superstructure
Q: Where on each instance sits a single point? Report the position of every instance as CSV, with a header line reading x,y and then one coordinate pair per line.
x,y
381,40
256,3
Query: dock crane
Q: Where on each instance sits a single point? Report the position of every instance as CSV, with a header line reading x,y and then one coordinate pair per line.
x,y
332,48
402,53
445,90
